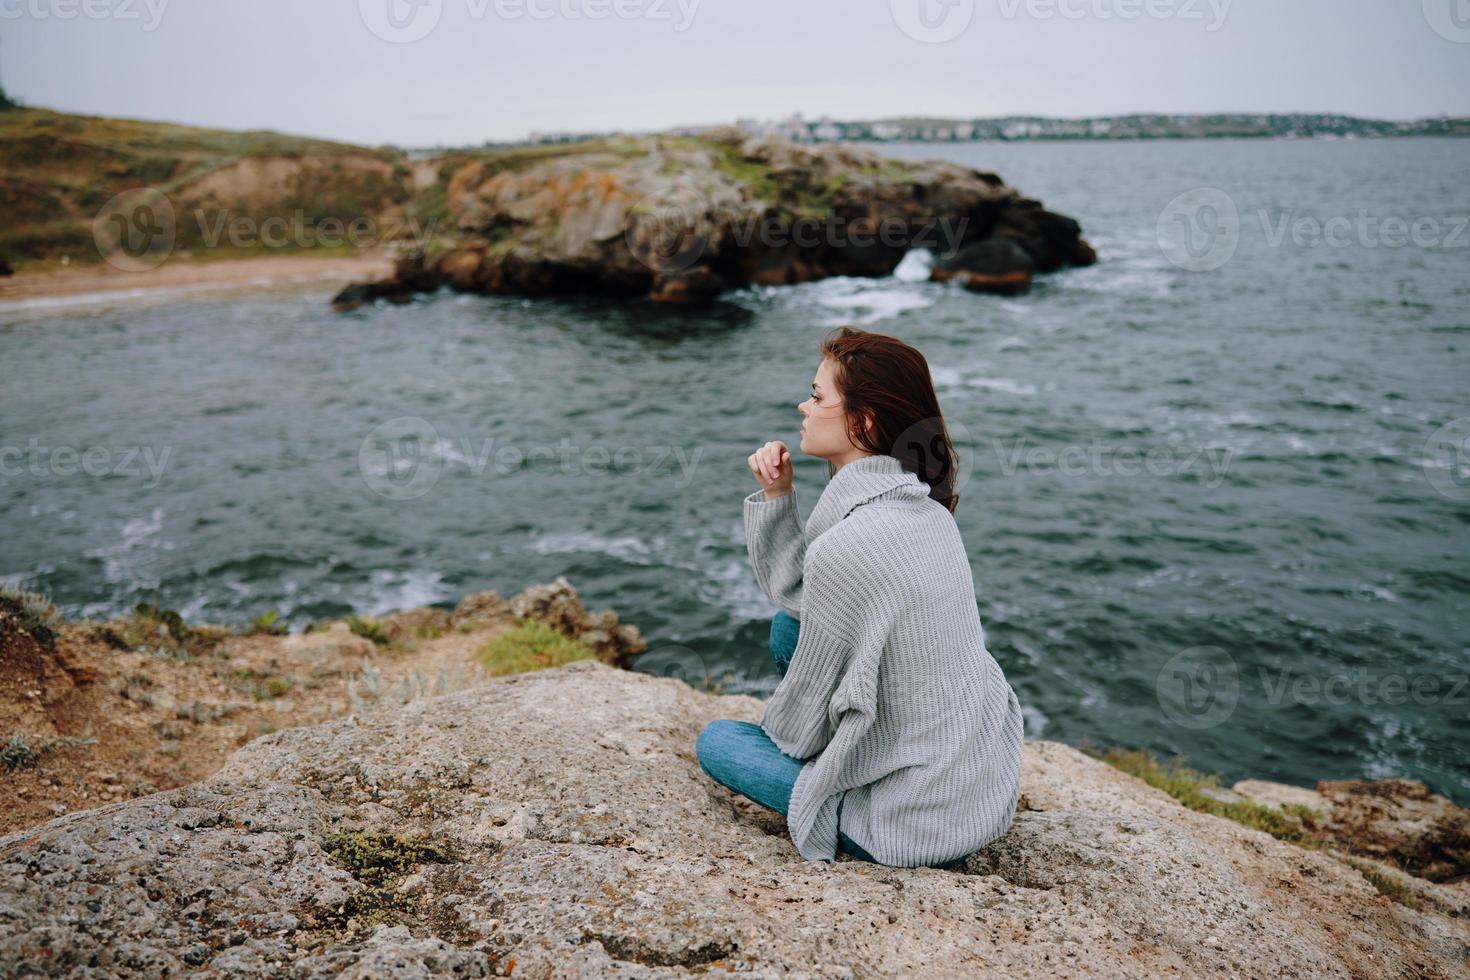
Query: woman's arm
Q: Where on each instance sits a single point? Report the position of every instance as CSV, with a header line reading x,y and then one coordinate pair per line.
x,y
776,542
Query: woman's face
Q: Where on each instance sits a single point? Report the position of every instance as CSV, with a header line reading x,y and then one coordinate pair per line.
x,y
824,433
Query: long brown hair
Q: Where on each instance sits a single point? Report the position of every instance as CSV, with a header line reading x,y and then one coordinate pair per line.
x,y
882,378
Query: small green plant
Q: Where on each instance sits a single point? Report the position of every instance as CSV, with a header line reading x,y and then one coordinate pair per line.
x,y
167,618
531,645
1388,887
269,623
368,628
33,613
17,753
161,632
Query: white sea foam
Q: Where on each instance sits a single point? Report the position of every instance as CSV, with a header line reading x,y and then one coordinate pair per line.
x,y
629,548
945,376
394,590
915,266
951,377
1034,720
1299,444
1008,385
138,546
867,301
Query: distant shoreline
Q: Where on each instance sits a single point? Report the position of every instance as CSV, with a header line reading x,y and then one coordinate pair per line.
x,y
55,285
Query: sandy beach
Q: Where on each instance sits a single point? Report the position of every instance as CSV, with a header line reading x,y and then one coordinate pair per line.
x,y
102,283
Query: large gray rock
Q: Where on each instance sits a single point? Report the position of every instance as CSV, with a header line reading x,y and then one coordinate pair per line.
x,y
567,830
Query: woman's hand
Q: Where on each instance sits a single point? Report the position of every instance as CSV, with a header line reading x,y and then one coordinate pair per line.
x,y
771,466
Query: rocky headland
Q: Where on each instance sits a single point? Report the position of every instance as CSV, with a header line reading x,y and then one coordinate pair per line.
x,y
682,219
544,815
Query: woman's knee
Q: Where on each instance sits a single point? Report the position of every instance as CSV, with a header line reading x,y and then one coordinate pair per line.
x,y
709,744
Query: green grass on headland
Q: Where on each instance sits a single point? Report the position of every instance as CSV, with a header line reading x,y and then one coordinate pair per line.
x,y
531,646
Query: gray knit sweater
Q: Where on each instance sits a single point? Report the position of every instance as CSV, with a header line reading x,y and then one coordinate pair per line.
x,y
891,695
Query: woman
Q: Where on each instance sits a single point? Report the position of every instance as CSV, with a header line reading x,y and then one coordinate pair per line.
x,y
893,732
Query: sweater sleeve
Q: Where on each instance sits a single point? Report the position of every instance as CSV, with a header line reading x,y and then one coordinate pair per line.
x,y
827,702
776,541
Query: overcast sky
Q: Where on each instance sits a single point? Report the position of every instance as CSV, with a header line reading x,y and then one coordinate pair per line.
x,y
419,72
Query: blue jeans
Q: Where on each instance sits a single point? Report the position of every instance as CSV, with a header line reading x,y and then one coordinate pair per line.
x,y
740,755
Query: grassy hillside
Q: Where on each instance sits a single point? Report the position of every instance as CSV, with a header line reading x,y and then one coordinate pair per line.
x,y
57,170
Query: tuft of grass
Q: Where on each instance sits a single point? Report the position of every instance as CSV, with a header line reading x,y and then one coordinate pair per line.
x,y
531,645
161,632
368,628
168,619
17,753
261,686
34,613
269,623
1291,823
1388,887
